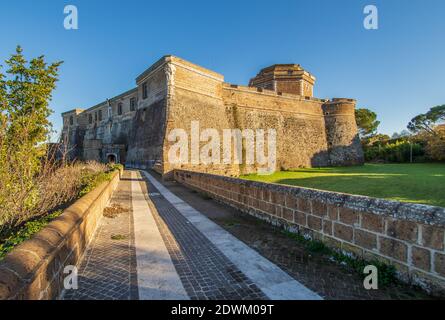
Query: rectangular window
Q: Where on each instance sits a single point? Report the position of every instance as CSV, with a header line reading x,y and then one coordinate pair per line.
x,y
144,91
132,104
119,108
95,116
90,118
71,120
100,115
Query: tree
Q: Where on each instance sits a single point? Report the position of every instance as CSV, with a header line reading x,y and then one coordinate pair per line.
x,y
435,144
428,121
25,92
367,122
427,127
378,138
403,134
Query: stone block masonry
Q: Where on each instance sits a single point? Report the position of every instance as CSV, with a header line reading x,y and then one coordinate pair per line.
x,y
34,270
133,127
409,236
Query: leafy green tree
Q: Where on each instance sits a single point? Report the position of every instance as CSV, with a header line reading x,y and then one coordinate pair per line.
x,y
25,92
378,138
427,127
428,121
435,144
367,122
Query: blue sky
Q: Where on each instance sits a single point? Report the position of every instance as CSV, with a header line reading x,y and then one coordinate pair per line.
x,y
397,71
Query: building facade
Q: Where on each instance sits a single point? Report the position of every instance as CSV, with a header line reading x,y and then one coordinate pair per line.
x,y
134,127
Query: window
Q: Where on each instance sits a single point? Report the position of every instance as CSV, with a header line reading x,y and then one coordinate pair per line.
x,y
100,115
71,120
90,118
95,116
132,104
144,90
119,108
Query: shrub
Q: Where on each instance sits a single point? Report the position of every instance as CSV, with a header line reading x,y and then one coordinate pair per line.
x,y
54,189
115,166
435,144
25,232
398,150
51,189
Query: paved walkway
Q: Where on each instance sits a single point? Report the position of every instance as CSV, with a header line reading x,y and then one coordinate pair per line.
x,y
172,252
108,268
163,241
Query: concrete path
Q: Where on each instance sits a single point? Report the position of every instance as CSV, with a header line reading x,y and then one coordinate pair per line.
x,y
157,277
163,248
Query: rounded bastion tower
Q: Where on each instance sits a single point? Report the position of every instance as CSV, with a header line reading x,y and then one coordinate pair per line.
x,y
344,146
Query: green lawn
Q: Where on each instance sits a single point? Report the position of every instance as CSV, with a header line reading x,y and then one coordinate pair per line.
x,y
419,183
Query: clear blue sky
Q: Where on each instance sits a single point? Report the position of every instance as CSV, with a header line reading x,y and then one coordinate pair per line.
x,y
398,70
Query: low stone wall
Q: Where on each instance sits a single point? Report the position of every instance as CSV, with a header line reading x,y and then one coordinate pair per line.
x,y
34,270
408,236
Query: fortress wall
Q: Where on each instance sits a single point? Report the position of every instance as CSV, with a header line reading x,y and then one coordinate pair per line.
x,y
103,132
91,149
310,131
299,123
342,135
147,134
196,96
146,129
156,87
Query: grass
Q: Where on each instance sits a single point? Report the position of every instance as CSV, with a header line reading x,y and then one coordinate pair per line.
x,y
418,183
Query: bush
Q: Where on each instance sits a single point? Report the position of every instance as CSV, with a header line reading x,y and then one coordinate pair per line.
x,y
92,180
435,144
51,189
115,166
25,232
54,190
398,150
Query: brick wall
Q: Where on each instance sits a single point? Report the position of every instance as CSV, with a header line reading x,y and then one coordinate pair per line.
x,y
34,269
408,236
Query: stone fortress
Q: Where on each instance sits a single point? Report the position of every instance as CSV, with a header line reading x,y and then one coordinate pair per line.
x,y
133,127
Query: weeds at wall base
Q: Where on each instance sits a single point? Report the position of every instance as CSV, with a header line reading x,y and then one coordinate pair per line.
x,y
386,273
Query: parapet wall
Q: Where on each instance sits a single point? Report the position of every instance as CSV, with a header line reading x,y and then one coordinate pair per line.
x,y
408,236
34,270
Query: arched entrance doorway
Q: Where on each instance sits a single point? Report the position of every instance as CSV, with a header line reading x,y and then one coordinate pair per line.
x,y
111,158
